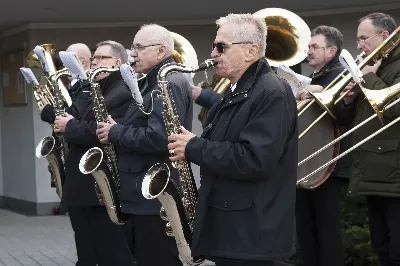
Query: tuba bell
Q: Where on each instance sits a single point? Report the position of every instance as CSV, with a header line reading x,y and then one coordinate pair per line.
x,y
288,37
184,52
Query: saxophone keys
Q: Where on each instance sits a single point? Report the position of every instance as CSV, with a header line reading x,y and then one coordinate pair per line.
x,y
168,230
163,214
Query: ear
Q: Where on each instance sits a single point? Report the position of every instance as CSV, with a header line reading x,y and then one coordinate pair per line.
x,y
118,63
334,50
252,52
385,34
162,50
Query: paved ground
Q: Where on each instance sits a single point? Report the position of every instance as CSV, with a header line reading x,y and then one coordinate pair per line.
x,y
43,240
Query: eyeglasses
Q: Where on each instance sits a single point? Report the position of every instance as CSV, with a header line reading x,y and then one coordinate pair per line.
x,y
221,46
313,48
138,47
102,57
363,41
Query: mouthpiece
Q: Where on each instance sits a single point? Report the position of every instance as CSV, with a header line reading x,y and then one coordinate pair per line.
x,y
207,64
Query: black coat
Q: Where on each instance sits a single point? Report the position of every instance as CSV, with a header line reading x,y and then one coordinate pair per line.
x,y
248,163
80,97
81,136
323,78
141,140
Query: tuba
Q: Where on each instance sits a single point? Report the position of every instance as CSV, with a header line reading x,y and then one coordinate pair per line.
x,y
102,163
287,39
178,200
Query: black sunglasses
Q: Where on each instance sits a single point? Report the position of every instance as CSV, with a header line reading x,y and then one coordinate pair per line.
x,y
221,46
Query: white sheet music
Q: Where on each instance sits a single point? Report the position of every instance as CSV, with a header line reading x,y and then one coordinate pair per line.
x,y
29,76
296,81
129,76
71,61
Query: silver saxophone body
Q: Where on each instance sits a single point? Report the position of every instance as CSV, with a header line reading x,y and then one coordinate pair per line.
x,y
102,162
178,200
55,152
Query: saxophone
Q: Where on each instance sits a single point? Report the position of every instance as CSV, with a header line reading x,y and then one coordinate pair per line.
x,y
107,182
178,201
55,152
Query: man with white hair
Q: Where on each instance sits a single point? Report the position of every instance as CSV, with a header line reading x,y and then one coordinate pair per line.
x,y
98,240
247,155
141,141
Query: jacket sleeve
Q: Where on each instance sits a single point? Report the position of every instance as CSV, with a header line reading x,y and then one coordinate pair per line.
x,y
373,82
261,142
47,114
151,139
81,132
81,102
208,98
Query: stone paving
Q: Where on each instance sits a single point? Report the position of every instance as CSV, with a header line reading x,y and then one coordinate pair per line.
x,y
38,240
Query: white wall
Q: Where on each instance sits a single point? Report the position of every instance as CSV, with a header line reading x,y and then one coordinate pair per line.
x,y
25,177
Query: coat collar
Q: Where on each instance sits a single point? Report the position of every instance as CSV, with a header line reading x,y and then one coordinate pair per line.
x,y
151,77
248,78
331,65
107,83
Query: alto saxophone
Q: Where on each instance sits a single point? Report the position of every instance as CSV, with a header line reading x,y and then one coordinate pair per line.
x,y
55,153
178,201
107,182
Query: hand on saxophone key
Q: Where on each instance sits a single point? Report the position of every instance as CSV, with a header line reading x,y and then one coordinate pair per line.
x,y
60,122
103,129
178,144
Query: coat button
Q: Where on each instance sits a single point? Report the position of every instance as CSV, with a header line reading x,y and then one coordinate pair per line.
x,y
379,148
245,95
226,204
230,101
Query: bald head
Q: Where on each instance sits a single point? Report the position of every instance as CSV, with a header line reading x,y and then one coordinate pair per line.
x,y
83,52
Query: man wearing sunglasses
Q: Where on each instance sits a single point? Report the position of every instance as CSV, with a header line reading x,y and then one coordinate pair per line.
x,y
141,141
376,168
247,154
95,233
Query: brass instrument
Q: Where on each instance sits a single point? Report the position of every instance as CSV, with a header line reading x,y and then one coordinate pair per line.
x,y
378,99
327,99
102,162
55,152
49,69
287,40
178,200
42,94
383,98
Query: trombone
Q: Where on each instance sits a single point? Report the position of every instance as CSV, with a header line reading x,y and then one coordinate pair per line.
x,y
384,97
327,99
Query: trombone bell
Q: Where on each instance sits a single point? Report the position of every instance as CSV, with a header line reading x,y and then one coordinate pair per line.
x,y
378,99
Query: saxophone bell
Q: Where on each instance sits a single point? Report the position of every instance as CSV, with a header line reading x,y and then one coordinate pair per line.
x,y
46,148
155,181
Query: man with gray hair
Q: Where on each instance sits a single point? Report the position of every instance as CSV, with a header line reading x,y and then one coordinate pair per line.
x,y
141,141
247,155
98,240
376,167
